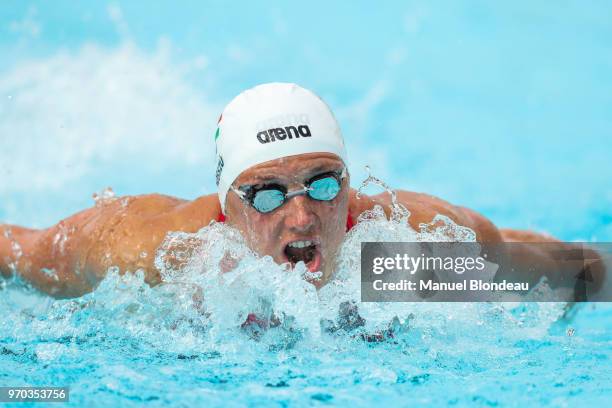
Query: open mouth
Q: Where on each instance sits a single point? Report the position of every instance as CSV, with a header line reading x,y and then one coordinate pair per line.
x,y
306,251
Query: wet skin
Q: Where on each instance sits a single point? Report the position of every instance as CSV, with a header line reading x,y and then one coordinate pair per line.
x,y
126,232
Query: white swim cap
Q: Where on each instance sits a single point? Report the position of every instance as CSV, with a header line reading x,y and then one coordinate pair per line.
x,y
268,122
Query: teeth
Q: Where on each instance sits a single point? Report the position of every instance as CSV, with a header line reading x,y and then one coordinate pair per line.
x,y
300,244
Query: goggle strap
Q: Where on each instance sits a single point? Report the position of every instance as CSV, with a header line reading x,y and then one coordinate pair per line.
x,y
301,191
240,193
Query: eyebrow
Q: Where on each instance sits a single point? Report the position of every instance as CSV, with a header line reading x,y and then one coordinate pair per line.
x,y
261,178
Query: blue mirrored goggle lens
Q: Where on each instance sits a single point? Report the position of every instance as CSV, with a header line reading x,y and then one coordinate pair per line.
x,y
324,189
268,200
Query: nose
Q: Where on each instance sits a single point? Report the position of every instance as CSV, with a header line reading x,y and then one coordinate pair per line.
x,y
300,217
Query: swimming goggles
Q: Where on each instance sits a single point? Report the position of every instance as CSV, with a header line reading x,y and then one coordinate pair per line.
x,y
268,197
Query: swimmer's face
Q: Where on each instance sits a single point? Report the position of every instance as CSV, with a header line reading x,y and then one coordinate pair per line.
x,y
300,218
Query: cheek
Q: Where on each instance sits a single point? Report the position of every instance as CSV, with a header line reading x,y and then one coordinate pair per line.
x,y
263,232
330,216
333,219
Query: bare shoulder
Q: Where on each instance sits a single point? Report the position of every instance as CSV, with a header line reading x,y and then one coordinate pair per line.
x,y
164,212
135,227
424,207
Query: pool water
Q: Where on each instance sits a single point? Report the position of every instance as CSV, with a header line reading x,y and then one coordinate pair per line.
x,y
502,107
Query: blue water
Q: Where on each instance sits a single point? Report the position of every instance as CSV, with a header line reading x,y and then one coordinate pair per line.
x,y
501,107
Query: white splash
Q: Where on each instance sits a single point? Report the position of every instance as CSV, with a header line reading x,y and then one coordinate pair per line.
x,y
80,113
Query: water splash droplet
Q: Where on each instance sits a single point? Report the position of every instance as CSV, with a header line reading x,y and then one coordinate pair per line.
x,y
104,196
16,250
50,272
399,213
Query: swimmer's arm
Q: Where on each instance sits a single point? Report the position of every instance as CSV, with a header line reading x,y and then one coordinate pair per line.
x,y
28,253
524,255
70,258
559,273
424,208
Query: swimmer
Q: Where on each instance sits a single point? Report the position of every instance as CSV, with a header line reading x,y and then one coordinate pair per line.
x,y
282,181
